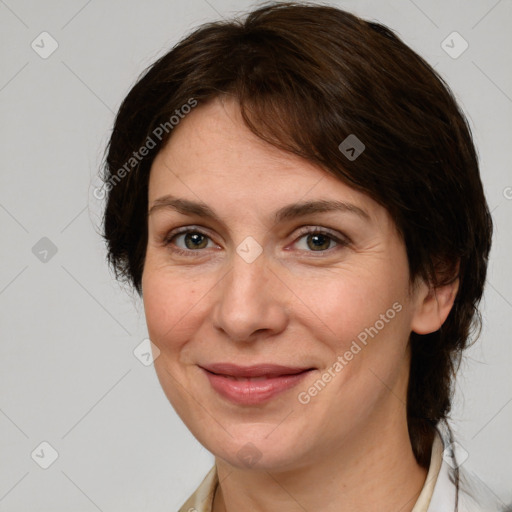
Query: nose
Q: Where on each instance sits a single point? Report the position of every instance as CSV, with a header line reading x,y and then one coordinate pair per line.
x,y
250,301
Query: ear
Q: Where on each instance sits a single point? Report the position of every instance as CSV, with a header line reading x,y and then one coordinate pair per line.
x,y
433,305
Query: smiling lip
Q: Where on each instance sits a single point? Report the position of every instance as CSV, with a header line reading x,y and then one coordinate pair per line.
x,y
251,385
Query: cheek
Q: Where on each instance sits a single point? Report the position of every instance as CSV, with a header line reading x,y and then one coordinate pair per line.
x,y
169,305
345,302
362,321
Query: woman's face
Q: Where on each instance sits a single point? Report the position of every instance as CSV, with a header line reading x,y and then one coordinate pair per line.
x,y
251,283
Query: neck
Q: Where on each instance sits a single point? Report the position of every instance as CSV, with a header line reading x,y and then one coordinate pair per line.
x,y
371,471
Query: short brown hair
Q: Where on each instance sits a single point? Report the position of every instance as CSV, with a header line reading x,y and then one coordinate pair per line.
x,y
306,77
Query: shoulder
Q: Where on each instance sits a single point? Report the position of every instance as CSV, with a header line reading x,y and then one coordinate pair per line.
x,y
458,489
476,496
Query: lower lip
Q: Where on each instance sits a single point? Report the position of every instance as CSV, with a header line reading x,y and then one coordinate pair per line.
x,y
253,392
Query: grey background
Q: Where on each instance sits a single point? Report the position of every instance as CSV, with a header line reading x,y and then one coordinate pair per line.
x,y
68,373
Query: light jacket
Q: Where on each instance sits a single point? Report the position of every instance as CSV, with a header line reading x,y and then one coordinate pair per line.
x,y
472,494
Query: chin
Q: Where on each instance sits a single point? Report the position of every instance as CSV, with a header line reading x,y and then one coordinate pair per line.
x,y
258,451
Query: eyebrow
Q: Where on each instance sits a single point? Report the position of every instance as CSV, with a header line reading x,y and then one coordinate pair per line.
x,y
291,211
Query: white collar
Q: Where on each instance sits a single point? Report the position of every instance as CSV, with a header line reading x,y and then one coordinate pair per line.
x,y
473,494
431,482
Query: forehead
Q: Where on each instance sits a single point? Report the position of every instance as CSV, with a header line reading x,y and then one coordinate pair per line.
x,y
215,138
213,155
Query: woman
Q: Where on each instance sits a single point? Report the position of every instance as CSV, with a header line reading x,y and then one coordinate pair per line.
x,y
296,197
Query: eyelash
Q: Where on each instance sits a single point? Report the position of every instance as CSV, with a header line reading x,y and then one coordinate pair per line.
x,y
341,241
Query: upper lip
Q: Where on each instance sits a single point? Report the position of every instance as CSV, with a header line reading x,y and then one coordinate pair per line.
x,y
257,370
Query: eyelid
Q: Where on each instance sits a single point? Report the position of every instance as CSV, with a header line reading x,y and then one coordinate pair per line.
x,y
166,239
335,235
341,239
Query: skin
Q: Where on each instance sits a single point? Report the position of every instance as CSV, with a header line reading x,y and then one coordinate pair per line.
x,y
348,448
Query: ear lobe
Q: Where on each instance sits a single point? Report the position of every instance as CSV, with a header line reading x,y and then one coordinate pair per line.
x,y
434,306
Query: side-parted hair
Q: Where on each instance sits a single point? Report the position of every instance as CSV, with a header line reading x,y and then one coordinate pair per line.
x,y
307,76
